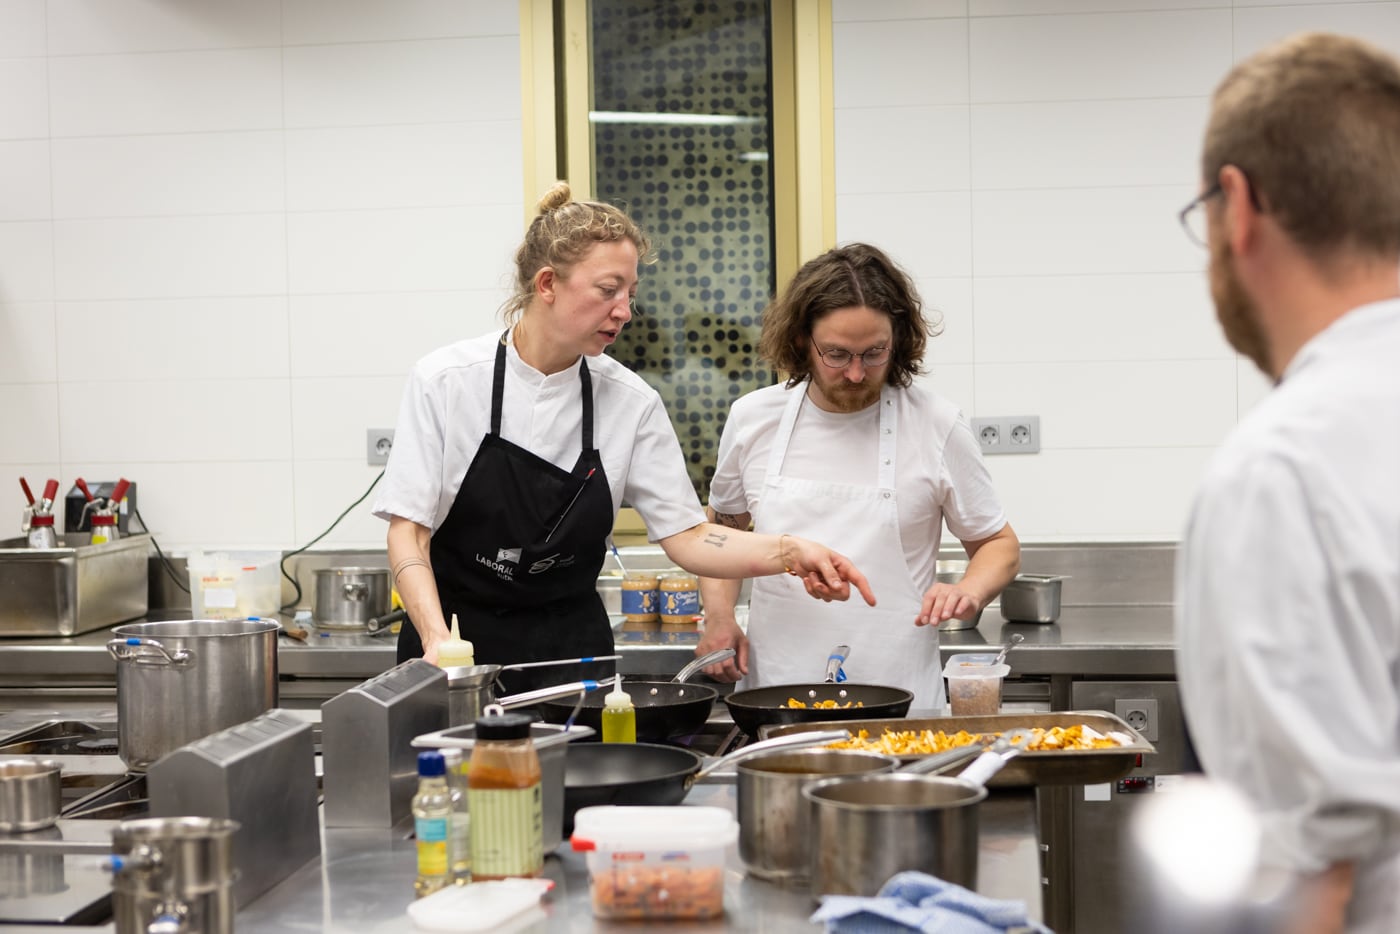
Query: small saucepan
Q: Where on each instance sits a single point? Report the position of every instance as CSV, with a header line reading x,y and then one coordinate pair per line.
x,y
867,828
647,774
665,709
775,821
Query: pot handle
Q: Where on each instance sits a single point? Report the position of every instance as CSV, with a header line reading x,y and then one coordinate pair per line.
x,y
790,741
942,761
1006,748
355,591
148,652
834,661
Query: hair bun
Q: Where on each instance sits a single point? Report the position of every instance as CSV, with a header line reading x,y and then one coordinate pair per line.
x,y
559,194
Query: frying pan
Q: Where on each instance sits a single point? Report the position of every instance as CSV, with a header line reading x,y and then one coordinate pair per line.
x,y
646,774
665,709
759,707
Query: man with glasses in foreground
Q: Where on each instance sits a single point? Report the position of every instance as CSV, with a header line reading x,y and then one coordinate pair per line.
x,y
850,447
1288,586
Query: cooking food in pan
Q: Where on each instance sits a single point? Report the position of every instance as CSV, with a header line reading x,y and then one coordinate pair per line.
x,y
927,742
823,704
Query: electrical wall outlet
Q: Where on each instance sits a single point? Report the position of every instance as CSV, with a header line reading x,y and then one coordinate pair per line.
x,y
378,441
1140,714
1008,434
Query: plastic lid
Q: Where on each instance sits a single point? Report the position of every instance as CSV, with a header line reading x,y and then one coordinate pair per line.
x,y
430,764
617,697
505,726
610,827
481,906
956,668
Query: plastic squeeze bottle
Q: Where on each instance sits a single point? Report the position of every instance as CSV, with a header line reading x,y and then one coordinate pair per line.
x,y
455,652
619,717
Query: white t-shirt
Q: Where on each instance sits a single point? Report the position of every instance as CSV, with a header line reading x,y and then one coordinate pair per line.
x,y
939,473
1288,611
446,411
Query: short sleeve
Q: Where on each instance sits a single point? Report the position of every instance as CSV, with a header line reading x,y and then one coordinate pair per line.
x,y
658,486
971,508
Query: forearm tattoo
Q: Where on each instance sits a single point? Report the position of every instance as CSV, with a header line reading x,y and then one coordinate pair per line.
x,y
716,538
733,520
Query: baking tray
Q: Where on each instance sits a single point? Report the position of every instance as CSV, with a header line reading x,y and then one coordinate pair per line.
x,y
1062,767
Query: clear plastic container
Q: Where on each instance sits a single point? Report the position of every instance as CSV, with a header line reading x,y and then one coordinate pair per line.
x,y
235,585
974,687
655,863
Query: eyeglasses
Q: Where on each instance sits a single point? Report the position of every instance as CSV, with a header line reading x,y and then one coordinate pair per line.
x,y
839,359
1193,216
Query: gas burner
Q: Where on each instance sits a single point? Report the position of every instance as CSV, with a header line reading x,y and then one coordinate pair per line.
x,y
62,738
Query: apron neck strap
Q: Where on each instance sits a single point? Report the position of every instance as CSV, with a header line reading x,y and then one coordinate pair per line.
x,y
498,392
885,469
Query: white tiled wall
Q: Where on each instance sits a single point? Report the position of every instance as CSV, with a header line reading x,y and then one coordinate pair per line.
x,y
227,229
1025,160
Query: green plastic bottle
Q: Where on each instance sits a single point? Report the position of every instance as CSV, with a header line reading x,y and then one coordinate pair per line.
x,y
619,717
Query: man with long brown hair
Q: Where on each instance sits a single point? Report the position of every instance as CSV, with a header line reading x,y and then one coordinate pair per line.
x,y
851,448
1288,588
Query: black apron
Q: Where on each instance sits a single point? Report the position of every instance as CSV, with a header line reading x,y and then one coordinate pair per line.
x,y
518,556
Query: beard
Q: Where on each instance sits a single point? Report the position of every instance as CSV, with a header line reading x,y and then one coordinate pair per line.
x,y
1236,311
843,396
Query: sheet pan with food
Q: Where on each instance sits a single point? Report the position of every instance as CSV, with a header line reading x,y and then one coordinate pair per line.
x,y
1075,747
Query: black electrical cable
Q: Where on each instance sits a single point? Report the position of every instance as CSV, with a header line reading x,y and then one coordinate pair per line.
x,y
296,585
164,561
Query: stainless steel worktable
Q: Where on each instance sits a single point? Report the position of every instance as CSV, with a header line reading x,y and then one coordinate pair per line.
x,y
1102,641
364,881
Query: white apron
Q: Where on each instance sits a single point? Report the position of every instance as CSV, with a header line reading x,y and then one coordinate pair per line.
x,y
790,633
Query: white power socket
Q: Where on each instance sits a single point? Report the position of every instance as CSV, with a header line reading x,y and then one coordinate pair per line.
x,y
1008,434
378,441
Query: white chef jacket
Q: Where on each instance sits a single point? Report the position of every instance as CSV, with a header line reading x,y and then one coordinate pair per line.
x,y
939,472
446,410
1288,611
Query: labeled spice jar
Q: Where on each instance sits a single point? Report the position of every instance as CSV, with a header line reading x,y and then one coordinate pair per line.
x,y
641,601
680,599
505,800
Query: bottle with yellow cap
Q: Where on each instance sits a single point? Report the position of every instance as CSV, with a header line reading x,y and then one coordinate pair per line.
x,y
455,652
619,717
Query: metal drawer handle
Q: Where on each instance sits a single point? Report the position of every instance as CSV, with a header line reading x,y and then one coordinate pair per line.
x,y
148,652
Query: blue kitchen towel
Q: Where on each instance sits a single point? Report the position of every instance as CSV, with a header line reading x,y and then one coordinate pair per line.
x,y
916,901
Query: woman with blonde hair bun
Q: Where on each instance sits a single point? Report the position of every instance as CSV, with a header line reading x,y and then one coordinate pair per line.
x,y
514,451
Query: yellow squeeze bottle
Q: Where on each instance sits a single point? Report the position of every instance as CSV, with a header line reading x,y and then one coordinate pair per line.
x,y
455,652
619,717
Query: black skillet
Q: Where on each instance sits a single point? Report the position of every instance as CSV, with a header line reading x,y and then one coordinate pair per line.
x,y
759,707
665,709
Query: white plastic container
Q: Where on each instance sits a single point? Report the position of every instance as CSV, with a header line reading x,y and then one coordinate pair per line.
x,y
655,863
974,687
235,585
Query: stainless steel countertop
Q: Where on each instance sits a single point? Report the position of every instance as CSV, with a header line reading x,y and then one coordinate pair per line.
x,y
364,881
1117,641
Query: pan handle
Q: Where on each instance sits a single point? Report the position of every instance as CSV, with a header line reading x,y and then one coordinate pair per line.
x,y
999,753
718,655
561,661
529,698
941,762
790,741
838,655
